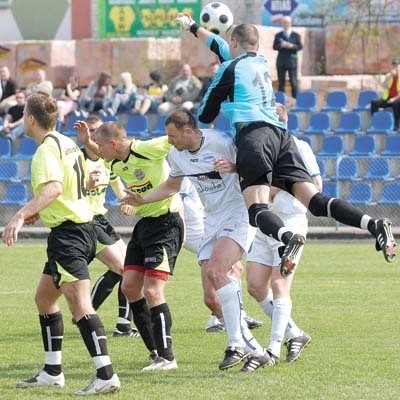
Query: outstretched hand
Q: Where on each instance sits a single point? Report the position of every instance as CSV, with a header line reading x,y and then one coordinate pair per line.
x,y
82,131
132,198
185,21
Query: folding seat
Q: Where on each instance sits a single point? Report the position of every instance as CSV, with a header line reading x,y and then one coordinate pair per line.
x,y
16,194
392,146
382,122
111,198
390,194
5,147
69,129
349,123
347,169
364,99
360,193
305,101
336,101
330,189
159,129
280,97
293,124
137,125
378,168
364,146
9,171
320,124
26,148
332,146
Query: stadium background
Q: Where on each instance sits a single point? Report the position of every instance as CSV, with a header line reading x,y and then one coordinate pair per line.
x,y
83,35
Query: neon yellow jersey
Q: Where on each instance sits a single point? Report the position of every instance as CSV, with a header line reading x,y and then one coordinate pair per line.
x,y
97,195
144,170
58,158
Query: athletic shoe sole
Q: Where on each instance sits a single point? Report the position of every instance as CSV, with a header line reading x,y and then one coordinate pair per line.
x,y
290,254
385,240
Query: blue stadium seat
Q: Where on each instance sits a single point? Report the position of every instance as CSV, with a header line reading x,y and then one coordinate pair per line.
x,y
332,146
137,125
280,97
5,147
336,101
360,193
322,167
392,146
347,169
320,124
26,149
108,118
378,168
364,100
159,129
9,171
364,146
390,194
382,122
69,129
330,189
305,101
349,123
223,123
293,124
16,194
111,198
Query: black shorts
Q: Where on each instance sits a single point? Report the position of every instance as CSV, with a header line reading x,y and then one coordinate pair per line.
x,y
106,233
70,249
268,155
156,242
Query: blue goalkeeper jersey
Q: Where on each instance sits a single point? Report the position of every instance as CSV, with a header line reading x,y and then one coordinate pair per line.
x,y
242,88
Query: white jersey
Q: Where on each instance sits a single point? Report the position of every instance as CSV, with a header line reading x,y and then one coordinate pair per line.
x,y
217,191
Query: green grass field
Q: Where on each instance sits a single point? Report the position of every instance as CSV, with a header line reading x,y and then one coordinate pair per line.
x,y
344,295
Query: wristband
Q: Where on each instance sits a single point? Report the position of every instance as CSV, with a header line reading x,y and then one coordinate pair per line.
x,y
194,28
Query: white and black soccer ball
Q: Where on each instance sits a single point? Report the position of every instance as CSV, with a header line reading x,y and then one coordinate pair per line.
x,y
216,17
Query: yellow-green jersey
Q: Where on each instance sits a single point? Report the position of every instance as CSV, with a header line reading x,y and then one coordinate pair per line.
x,y
144,170
58,158
97,195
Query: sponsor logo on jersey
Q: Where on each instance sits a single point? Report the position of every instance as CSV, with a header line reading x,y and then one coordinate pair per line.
x,y
193,160
96,191
142,188
139,174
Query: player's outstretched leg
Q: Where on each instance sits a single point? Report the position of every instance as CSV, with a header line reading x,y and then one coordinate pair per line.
x,y
295,346
385,240
291,253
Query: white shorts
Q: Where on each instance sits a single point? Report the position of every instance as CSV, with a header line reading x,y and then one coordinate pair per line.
x,y
193,240
234,225
264,249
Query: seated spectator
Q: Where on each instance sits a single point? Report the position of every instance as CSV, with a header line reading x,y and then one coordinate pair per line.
x,y
182,91
124,96
206,82
8,88
40,84
68,101
98,95
154,95
390,96
13,127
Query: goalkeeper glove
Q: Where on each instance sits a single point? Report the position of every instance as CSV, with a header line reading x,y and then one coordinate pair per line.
x,y
187,23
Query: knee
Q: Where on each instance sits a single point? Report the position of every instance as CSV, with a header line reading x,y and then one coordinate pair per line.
x,y
254,210
319,205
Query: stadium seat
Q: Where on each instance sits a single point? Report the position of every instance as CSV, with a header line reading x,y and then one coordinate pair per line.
x,y
364,100
9,171
26,148
108,118
305,101
223,123
390,194
392,146
320,124
378,168
307,139
336,101
5,147
159,129
349,123
16,194
280,97
382,122
347,169
330,189
69,128
293,124
360,193
332,146
137,125
364,146
322,167
111,198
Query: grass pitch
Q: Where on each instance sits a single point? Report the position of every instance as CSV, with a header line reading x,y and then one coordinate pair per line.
x,y
344,295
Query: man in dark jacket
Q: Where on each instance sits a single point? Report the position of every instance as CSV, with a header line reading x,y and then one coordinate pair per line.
x,y
288,43
8,88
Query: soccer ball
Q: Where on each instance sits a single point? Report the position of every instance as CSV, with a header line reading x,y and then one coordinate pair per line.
x,y
216,17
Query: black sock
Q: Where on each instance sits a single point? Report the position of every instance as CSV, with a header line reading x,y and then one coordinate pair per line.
x,y
94,336
162,323
52,327
124,309
103,288
142,319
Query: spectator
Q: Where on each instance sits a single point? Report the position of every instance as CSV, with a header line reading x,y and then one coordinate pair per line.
x,y
98,96
182,93
391,93
8,88
68,101
124,96
154,95
14,120
213,68
40,84
288,43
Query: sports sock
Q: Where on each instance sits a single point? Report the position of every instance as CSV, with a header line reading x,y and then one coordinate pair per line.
x,y
52,328
94,336
103,288
142,319
251,342
162,324
280,319
124,312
